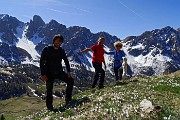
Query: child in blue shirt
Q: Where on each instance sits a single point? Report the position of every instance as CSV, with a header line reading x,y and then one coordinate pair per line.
x,y
118,54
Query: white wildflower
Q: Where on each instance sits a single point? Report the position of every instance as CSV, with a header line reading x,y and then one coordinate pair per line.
x,y
47,118
167,118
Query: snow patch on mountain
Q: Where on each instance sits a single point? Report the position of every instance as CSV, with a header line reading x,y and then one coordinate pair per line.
x,y
146,60
26,44
3,61
109,60
155,61
139,46
85,59
3,16
0,37
28,61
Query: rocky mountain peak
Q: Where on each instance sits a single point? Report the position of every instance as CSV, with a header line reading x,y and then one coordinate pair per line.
x,y
155,38
167,29
53,24
178,30
34,25
8,26
38,20
4,16
9,22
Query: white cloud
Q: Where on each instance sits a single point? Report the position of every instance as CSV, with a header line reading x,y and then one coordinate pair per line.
x,y
62,11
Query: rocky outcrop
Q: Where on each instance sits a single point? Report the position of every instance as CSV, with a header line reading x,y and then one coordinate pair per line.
x,y
8,25
34,26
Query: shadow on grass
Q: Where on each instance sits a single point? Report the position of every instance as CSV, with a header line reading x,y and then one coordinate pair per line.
x,y
125,82
133,80
120,83
74,103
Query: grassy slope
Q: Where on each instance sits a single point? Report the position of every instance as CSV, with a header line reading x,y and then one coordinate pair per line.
x,y
18,106
22,106
112,102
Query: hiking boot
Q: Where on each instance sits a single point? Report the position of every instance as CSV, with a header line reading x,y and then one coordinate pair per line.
x,y
93,86
50,108
67,101
117,83
101,87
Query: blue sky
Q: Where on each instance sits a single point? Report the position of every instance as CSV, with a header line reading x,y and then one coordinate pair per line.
x,y
121,18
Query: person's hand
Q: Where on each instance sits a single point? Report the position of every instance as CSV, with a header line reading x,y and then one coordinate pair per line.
x,y
79,52
105,67
69,74
44,78
125,64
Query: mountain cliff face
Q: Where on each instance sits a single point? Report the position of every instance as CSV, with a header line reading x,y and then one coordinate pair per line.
x,y
34,26
155,51
8,39
152,53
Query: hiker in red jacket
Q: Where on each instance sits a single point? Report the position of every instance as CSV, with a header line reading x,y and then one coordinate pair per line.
x,y
97,60
51,68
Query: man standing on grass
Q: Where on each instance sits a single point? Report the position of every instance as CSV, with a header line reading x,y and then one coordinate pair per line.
x,y
51,69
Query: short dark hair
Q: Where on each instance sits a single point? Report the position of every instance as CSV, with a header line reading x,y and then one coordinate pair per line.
x,y
58,36
101,38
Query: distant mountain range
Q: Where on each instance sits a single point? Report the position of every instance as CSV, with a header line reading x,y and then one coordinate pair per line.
x,y
151,53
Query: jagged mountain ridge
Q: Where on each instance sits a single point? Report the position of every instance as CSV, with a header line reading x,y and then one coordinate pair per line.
x,y
41,34
159,47
21,42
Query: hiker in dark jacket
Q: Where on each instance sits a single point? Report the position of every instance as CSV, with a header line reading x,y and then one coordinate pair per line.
x,y
51,68
118,55
97,60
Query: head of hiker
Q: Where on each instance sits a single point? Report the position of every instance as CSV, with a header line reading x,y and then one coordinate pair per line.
x,y
118,45
57,41
101,41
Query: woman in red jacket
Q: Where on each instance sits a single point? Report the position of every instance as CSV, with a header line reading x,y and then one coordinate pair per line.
x,y
97,60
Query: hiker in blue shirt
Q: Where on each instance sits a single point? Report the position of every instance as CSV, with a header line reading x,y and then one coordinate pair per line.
x,y
118,54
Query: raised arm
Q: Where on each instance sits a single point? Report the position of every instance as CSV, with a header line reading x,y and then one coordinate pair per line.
x,y
109,53
85,50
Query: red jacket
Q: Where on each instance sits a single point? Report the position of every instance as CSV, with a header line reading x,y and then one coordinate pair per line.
x,y
98,53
